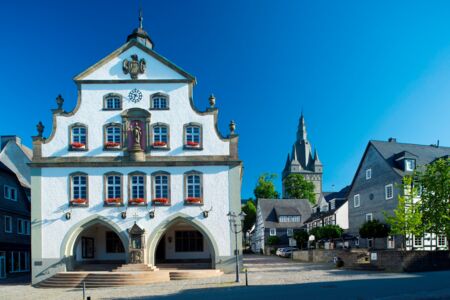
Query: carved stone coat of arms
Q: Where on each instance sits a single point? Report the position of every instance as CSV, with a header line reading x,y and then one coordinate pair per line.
x,y
134,67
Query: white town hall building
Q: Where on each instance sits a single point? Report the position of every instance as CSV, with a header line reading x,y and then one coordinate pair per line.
x,y
134,150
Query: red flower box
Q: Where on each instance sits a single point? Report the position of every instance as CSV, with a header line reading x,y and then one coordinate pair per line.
x,y
113,200
77,145
193,200
112,145
137,200
161,200
192,144
159,144
78,201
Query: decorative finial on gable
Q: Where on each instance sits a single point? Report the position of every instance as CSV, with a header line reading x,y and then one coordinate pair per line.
x,y
40,129
232,127
141,19
59,101
212,101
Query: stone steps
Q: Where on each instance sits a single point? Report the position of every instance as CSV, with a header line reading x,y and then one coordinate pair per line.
x,y
194,274
135,268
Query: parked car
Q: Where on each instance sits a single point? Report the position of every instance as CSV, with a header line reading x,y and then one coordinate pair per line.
x,y
279,251
287,252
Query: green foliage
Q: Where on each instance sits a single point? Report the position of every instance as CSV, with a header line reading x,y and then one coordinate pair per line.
x,y
250,210
265,188
327,232
301,236
273,240
435,198
297,187
374,229
407,217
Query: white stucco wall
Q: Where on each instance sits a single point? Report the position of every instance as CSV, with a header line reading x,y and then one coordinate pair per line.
x,y
91,114
342,216
55,200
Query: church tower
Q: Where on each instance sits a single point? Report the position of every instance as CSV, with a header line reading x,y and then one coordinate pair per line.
x,y
301,161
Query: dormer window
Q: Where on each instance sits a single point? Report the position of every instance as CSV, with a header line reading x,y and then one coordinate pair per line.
x,y
78,137
193,136
112,102
332,204
410,164
159,102
368,174
324,208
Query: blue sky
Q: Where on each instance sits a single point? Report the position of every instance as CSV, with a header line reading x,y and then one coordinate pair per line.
x,y
360,71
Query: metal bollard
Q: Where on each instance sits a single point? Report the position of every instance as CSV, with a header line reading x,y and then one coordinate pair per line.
x,y
246,277
84,290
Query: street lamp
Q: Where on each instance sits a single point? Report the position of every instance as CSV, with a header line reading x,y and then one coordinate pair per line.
x,y
233,218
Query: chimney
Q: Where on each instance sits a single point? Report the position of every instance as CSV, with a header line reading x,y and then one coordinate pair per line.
x,y
6,138
392,140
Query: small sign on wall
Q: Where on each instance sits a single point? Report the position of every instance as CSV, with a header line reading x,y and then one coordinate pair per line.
x,y
373,256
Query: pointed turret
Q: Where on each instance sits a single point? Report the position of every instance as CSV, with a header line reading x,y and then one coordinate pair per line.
x,y
301,131
288,162
294,157
317,162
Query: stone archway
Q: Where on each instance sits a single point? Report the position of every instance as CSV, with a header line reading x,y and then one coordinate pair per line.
x,y
73,237
161,229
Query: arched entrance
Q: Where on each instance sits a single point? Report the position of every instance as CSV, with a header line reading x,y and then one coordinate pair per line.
x,y
182,242
96,244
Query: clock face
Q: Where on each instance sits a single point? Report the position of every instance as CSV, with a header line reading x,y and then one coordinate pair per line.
x,y
135,95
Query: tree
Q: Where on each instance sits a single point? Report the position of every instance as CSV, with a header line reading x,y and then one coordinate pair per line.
x,y
435,198
406,219
297,187
331,232
273,240
374,229
301,236
250,215
265,188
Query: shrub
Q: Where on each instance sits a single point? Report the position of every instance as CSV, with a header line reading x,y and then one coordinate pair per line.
x,y
273,240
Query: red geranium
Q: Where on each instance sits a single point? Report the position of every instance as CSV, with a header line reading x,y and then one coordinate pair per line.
x,y
192,144
193,200
159,144
78,145
78,201
137,200
161,200
112,200
112,144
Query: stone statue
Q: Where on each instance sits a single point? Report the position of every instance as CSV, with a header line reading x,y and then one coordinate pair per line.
x,y
137,133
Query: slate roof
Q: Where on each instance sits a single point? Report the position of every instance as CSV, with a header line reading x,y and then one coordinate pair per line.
x,y
342,194
272,208
323,214
423,154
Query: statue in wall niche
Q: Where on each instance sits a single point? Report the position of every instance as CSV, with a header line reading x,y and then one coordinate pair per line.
x,y
137,133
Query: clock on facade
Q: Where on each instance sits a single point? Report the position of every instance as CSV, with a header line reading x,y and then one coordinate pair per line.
x,y
135,95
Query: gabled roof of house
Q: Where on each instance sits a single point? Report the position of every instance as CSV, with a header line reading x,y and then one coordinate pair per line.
x,y
342,194
271,209
16,156
423,154
323,214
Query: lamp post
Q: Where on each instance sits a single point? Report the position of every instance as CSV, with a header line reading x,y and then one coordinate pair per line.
x,y
233,218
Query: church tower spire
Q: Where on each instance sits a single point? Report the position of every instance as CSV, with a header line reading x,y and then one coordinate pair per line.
x,y
301,131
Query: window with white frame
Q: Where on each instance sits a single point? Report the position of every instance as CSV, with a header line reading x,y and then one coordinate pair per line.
x,y
390,242
285,219
114,186
78,137
389,191
368,174
441,240
137,186
79,187
193,136
418,241
23,226
193,186
333,204
410,164
356,200
273,231
113,102
113,136
369,217
290,232
160,136
161,186
357,241
10,193
160,102
8,224
370,243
